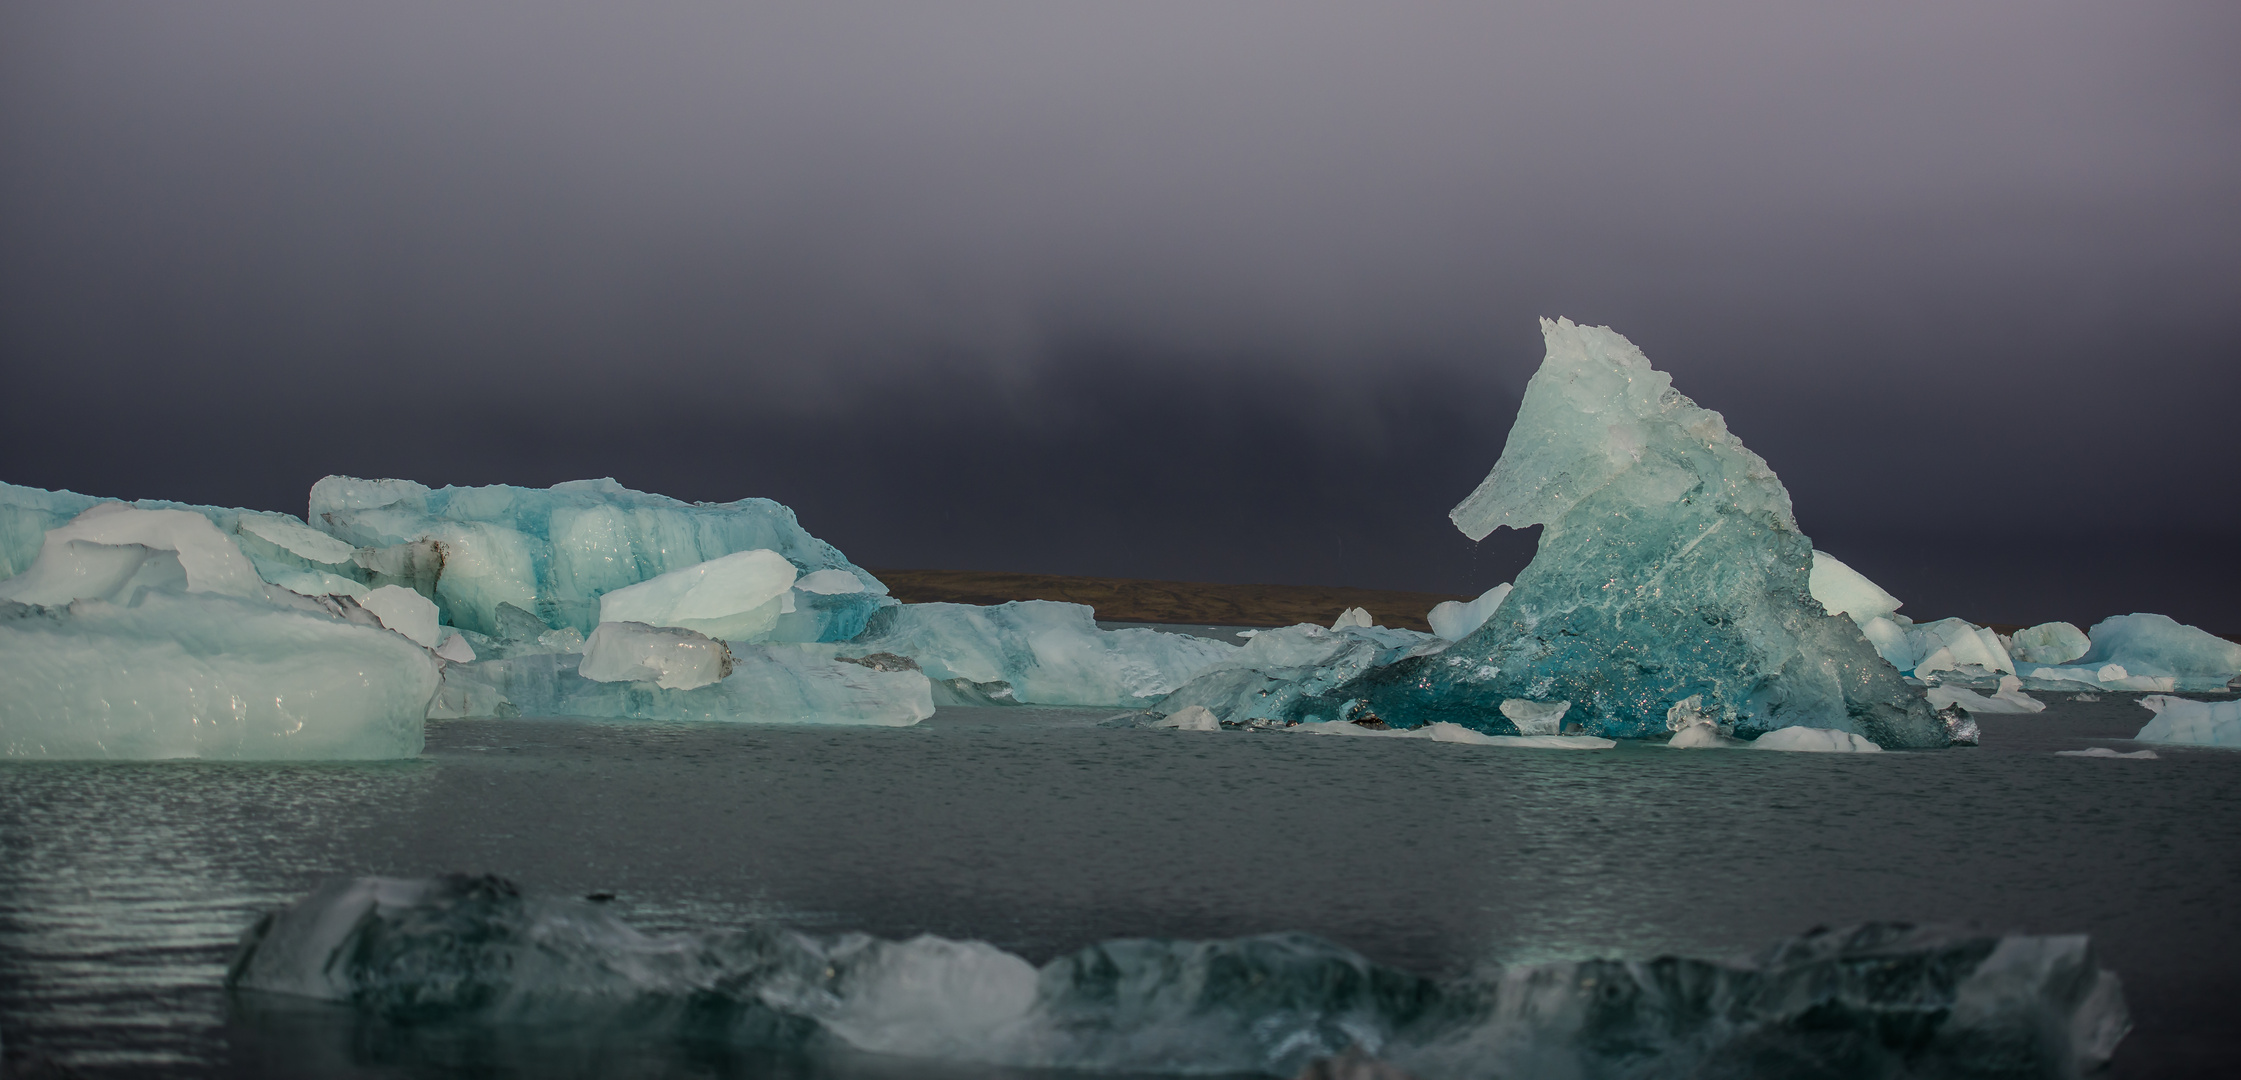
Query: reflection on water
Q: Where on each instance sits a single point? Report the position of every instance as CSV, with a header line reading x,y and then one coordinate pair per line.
x,y
123,887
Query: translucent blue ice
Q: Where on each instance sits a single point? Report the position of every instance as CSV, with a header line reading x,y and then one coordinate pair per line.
x,y
1670,566
2158,645
553,551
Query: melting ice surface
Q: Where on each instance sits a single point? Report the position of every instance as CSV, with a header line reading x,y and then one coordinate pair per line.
x,y
1881,998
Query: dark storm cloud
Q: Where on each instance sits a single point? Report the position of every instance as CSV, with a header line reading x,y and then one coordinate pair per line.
x,y
1236,291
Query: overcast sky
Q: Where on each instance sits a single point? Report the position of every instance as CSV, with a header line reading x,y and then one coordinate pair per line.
x,y
1206,291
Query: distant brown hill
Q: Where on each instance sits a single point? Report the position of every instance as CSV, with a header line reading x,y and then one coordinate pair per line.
x,y
1137,600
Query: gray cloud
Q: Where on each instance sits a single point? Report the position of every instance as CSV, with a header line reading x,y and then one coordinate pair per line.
x,y
1945,266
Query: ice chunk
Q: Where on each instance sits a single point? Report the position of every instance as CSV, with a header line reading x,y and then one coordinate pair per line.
x,y
2157,645
456,649
1190,718
1891,642
2198,723
1950,644
1845,591
2105,752
1442,731
404,611
206,675
1049,653
781,684
1535,717
1695,729
1880,1000
1455,620
2009,699
830,582
1281,669
668,657
111,549
554,552
1815,740
2050,643
1670,565
734,597
1352,616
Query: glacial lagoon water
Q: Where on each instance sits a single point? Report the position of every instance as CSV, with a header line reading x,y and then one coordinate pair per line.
x,y
124,887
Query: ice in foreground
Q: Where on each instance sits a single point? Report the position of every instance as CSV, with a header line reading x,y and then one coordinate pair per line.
x,y
206,675
2197,723
1669,566
1883,999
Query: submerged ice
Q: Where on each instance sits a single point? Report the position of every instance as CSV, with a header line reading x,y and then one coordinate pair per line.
x,y
1870,1001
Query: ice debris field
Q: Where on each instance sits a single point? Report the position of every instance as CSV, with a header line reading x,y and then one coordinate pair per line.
x,y
1672,599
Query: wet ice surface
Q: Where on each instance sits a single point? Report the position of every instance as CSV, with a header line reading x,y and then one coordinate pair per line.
x,y
123,886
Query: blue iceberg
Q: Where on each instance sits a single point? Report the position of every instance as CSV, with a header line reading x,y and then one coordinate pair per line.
x,y
1670,566
550,552
2158,646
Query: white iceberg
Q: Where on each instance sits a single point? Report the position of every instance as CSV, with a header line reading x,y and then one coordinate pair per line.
x,y
1957,644
666,656
182,674
2050,643
1455,620
2157,645
1815,740
734,597
2106,677
2189,722
1190,718
112,549
404,611
1845,591
1352,616
1695,729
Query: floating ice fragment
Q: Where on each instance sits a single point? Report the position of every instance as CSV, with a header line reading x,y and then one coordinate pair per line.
x,y
1455,620
2050,643
2157,645
668,657
2009,699
404,611
2197,723
1352,616
2105,752
1845,591
1190,718
1815,740
206,675
1670,565
2107,676
1442,731
733,597
1535,717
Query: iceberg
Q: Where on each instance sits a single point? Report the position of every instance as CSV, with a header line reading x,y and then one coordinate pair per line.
x,y
2050,643
111,549
1957,645
1455,620
1534,717
2196,723
2010,698
1353,616
1442,731
203,674
734,597
1190,718
767,684
1880,999
2105,752
1814,740
1044,652
1278,669
1670,566
550,552
2106,677
2159,646
665,656
1845,591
